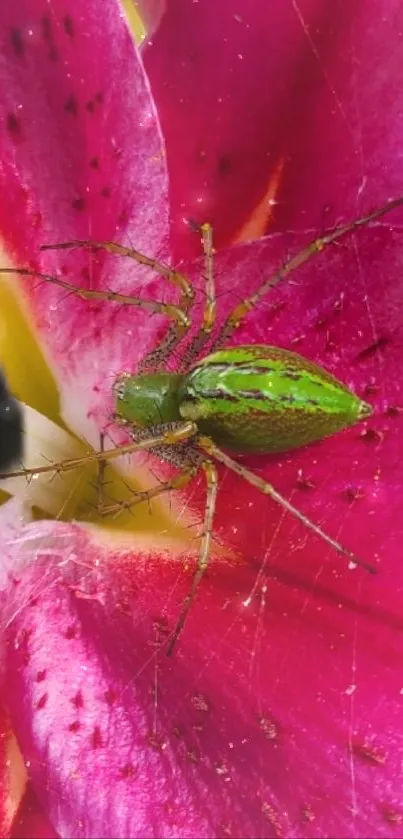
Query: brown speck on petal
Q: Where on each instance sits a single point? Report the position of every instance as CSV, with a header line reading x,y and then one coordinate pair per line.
x,y
128,771
13,125
369,753
41,675
77,700
78,204
71,105
68,26
17,42
96,738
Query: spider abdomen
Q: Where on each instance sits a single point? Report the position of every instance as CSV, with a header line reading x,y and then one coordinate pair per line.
x,y
265,399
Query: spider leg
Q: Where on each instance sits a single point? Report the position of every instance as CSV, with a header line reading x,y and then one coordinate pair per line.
x,y
182,322
178,481
211,449
238,314
102,464
210,305
182,432
210,472
175,277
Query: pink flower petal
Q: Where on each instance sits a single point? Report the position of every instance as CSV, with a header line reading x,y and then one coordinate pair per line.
x,y
298,102
125,742
343,150
82,157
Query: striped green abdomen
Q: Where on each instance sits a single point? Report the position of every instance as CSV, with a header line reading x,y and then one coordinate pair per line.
x,y
264,399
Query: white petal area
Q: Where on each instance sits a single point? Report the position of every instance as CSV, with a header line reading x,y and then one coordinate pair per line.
x,y
45,444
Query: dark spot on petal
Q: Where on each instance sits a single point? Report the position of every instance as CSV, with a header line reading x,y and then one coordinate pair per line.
x,y
307,814
94,163
303,482
46,25
178,733
78,700
42,701
128,771
124,607
68,26
106,192
17,42
393,411
370,753
78,204
75,726
96,738
391,815
71,105
161,630
224,165
123,218
352,494
90,106
371,388
376,346
110,696
371,436
41,675
99,97
85,273
13,125
116,150
71,632
53,54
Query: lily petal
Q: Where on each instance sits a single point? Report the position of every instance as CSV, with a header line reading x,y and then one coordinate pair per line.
x,y
274,114
82,157
122,741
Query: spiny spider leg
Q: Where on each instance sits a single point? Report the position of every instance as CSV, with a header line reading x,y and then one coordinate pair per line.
x,y
178,481
210,472
174,277
210,305
240,311
180,434
102,464
153,306
176,331
210,448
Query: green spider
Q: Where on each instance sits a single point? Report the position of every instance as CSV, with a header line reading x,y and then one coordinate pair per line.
x,y
247,399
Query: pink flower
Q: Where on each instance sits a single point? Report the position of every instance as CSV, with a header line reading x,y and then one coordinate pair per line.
x,y
279,713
